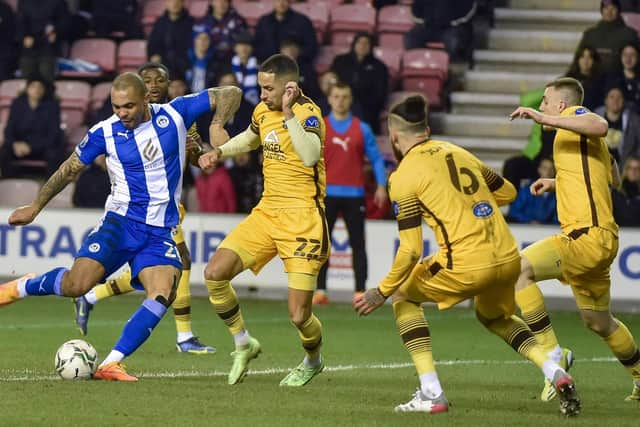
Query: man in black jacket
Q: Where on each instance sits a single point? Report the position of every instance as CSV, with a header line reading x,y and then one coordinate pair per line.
x,y
285,23
171,38
367,76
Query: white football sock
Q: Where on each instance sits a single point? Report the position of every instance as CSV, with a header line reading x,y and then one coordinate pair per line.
x,y
91,296
430,385
312,363
549,368
183,336
241,338
555,354
114,356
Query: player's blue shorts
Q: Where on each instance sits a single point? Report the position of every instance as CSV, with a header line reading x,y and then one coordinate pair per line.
x,y
118,240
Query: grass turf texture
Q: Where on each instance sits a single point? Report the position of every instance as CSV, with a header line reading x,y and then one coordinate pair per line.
x,y
368,372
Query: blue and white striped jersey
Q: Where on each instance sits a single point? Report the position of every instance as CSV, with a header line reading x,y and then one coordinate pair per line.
x,y
145,165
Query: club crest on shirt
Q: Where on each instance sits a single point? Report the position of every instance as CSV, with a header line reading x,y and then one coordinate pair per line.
x,y
396,208
162,121
84,141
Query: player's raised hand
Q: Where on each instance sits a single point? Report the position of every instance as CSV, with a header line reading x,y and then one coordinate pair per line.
x,y
291,93
542,185
527,113
23,215
208,161
368,302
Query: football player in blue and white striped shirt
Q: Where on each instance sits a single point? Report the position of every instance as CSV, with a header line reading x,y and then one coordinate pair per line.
x,y
145,148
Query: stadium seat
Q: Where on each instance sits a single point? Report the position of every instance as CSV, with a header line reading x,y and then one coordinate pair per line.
x,y
99,94
74,136
428,86
198,8
252,11
73,94
318,13
393,22
325,57
70,119
392,58
17,192
151,11
64,199
348,19
394,97
131,55
9,90
425,63
13,4
97,51
632,20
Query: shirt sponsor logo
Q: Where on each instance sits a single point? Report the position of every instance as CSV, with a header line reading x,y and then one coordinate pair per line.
x,y
482,209
581,110
312,122
396,208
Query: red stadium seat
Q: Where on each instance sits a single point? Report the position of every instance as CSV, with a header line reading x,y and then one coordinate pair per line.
x,y
394,97
632,20
325,57
13,4
75,136
97,51
393,22
425,62
131,55
73,94
99,94
350,19
252,11
428,86
198,8
9,90
392,58
318,13
70,119
151,11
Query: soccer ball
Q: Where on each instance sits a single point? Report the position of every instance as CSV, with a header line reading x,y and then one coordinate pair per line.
x,y
76,360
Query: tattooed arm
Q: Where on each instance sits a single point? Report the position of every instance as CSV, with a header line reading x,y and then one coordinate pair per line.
x,y
225,100
66,173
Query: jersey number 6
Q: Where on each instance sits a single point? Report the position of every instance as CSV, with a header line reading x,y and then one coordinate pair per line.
x,y
454,174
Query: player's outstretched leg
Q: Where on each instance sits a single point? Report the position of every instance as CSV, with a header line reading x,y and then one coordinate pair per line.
x,y
415,334
11,291
225,301
84,304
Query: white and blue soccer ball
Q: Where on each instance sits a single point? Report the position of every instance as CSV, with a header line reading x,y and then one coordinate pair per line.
x,y
76,360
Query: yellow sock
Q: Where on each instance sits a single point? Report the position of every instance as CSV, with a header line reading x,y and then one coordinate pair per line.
x,y
182,303
225,302
311,336
414,331
534,314
117,286
514,331
625,349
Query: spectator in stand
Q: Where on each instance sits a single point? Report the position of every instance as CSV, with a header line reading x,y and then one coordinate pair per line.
x,y
308,77
609,35
367,76
177,87
245,67
325,81
285,23
348,140
445,21
8,45
203,69
246,174
530,209
626,199
586,69
113,16
33,129
630,184
41,28
171,38
628,79
623,137
215,191
224,24
93,185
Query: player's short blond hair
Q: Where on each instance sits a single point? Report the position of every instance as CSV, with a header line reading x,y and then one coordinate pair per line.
x,y
571,89
128,80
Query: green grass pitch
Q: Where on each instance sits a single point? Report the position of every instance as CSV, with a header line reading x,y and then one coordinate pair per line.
x,y
368,372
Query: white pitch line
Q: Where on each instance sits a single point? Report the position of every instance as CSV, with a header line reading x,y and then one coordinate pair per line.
x,y
28,375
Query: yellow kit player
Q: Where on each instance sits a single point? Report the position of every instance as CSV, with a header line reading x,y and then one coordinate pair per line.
x,y
156,79
459,198
582,254
288,221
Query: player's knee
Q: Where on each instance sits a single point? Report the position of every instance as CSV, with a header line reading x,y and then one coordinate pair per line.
x,y
299,316
599,324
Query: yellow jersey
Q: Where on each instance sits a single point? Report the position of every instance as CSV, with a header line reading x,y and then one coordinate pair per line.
x,y
453,192
287,181
583,175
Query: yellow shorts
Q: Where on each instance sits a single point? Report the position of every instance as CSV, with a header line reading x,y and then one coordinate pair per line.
x,y
299,236
493,288
176,232
582,262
